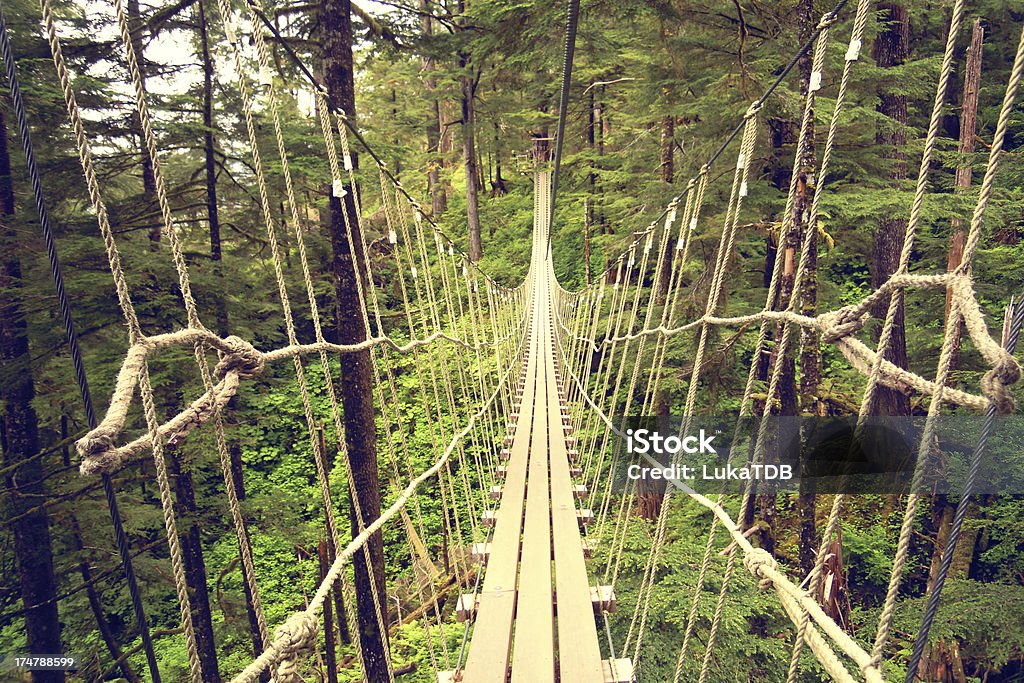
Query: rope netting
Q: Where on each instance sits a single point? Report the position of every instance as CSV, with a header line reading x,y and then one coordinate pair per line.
x,y
459,327
625,324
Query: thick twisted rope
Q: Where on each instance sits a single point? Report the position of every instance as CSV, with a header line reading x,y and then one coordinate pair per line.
x,y
240,360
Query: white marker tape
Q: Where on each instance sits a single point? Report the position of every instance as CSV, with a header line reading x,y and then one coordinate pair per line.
x,y
853,52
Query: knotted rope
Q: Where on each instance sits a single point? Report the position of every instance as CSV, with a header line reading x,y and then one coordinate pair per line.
x,y
295,638
758,563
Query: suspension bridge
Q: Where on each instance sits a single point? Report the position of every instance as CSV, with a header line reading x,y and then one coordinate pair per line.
x,y
520,386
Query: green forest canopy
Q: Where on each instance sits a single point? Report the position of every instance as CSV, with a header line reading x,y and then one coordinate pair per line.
x,y
656,87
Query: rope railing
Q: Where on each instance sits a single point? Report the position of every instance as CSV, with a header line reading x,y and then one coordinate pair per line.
x,y
299,631
239,360
762,565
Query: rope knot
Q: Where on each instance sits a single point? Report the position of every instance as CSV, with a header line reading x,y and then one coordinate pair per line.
x,y
239,356
97,452
755,561
840,324
295,637
996,382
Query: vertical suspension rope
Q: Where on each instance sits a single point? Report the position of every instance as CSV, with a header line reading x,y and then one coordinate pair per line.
x,y
852,56
1015,314
957,314
128,310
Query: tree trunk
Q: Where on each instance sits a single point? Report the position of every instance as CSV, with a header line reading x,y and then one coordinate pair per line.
x,y
941,660
810,354
357,394
968,126
592,123
600,129
445,120
148,177
195,569
806,504
789,242
19,441
339,598
438,196
116,653
891,49
667,173
476,250
480,166
831,592
210,150
586,240
650,493
596,132
498,188
220,304
787,396
668,142
330,653
780,134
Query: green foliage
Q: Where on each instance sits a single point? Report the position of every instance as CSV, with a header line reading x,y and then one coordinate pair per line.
x,y
983,618
697,64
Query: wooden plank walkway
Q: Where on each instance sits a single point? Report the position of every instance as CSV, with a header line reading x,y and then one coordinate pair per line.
x,y
496,603
534,613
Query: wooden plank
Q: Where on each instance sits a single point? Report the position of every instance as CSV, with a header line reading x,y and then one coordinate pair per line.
x,y
618,670
491,646
533,653
579,653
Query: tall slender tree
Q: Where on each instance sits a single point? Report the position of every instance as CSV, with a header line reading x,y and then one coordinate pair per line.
x,y
438,193
19,441
148,178
891,49
195,565
85,569
941,658
468,83
810,354
349,267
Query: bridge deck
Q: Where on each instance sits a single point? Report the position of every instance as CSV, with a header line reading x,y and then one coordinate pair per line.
x,y
536,557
